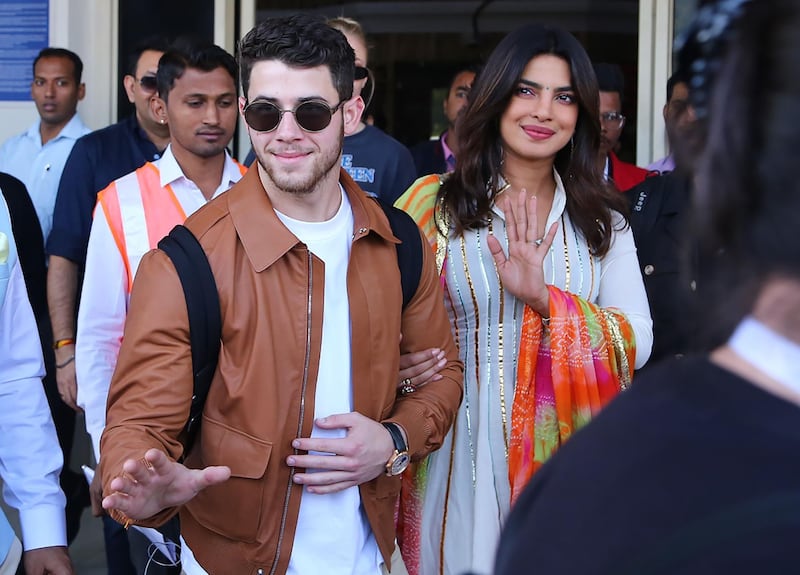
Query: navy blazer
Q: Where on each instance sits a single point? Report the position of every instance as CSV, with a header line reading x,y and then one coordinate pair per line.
x,y
429,157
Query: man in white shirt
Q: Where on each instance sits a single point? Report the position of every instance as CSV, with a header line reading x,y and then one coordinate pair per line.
x,y
197,99
30,459
37,156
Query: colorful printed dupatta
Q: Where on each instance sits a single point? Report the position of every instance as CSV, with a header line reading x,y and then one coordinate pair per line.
x,y
419,202
566,371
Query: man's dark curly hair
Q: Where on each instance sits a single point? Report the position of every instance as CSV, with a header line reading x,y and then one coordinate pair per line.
x,y
300,41
191,52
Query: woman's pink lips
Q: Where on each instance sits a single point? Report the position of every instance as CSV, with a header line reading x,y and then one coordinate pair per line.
x,y
538,132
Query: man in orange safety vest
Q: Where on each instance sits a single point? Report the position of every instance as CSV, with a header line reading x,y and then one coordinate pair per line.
x,y
197,98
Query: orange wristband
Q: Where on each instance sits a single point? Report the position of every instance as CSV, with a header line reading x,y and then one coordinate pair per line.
x,y
63,342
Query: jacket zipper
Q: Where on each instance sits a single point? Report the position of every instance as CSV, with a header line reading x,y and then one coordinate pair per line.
x,y
282,531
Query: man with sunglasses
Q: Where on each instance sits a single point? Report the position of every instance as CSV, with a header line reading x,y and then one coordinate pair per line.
x,y
622,175
303,439
378,163
96,160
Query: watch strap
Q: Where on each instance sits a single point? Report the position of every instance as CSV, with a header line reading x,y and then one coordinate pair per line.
x,y
397,436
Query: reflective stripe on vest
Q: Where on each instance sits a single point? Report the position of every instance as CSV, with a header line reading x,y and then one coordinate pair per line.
x,y
139,212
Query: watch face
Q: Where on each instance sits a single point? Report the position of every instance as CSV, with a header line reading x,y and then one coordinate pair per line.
x,y
398,463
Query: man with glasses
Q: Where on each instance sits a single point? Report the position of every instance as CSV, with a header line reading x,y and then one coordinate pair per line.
x,y
304,435
611,82
95,161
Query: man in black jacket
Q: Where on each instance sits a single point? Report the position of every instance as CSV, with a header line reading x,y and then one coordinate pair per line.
x,y
659,219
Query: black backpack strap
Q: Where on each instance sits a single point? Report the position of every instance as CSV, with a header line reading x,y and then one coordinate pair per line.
x,y
409,250
205,323
30,253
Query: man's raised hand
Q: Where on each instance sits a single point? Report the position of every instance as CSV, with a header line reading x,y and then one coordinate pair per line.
x,y
155,482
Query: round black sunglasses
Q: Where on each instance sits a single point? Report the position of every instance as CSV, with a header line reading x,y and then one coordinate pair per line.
x,y
310,116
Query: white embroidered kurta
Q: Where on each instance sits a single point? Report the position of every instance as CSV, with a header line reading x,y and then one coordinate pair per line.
x,y
467,492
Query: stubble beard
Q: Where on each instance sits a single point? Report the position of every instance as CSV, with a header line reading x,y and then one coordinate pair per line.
x,y
302,182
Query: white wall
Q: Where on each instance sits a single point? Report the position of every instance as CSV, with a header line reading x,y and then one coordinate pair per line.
x,y
247,20
655,67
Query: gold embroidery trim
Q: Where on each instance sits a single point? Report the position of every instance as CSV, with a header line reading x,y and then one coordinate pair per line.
x,y
447,494
566,256
500,353
476,356
618,343
442,222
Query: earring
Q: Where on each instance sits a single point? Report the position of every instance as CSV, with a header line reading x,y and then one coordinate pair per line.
x,y
163,121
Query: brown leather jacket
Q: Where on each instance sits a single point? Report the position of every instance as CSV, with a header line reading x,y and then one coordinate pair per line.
x,y
262,395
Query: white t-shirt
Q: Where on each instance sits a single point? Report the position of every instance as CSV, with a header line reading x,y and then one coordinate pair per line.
x,y
333,535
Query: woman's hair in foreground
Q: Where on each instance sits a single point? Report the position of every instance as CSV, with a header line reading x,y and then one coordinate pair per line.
x,y
480,159
747,188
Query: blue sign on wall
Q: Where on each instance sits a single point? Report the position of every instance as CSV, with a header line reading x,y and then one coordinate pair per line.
x,y
23,32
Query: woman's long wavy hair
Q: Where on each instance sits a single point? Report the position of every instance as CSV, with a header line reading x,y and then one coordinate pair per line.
x,y
469,192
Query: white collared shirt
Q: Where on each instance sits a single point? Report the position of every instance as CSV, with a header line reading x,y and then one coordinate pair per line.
x,y
39,166
104,299
30,457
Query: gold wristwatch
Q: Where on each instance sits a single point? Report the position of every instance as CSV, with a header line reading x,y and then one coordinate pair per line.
x,y
400,459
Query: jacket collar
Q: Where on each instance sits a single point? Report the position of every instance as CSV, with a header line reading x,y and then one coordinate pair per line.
x,y
266,239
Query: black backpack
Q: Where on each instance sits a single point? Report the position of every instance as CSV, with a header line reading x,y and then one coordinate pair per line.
x,y
202,299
